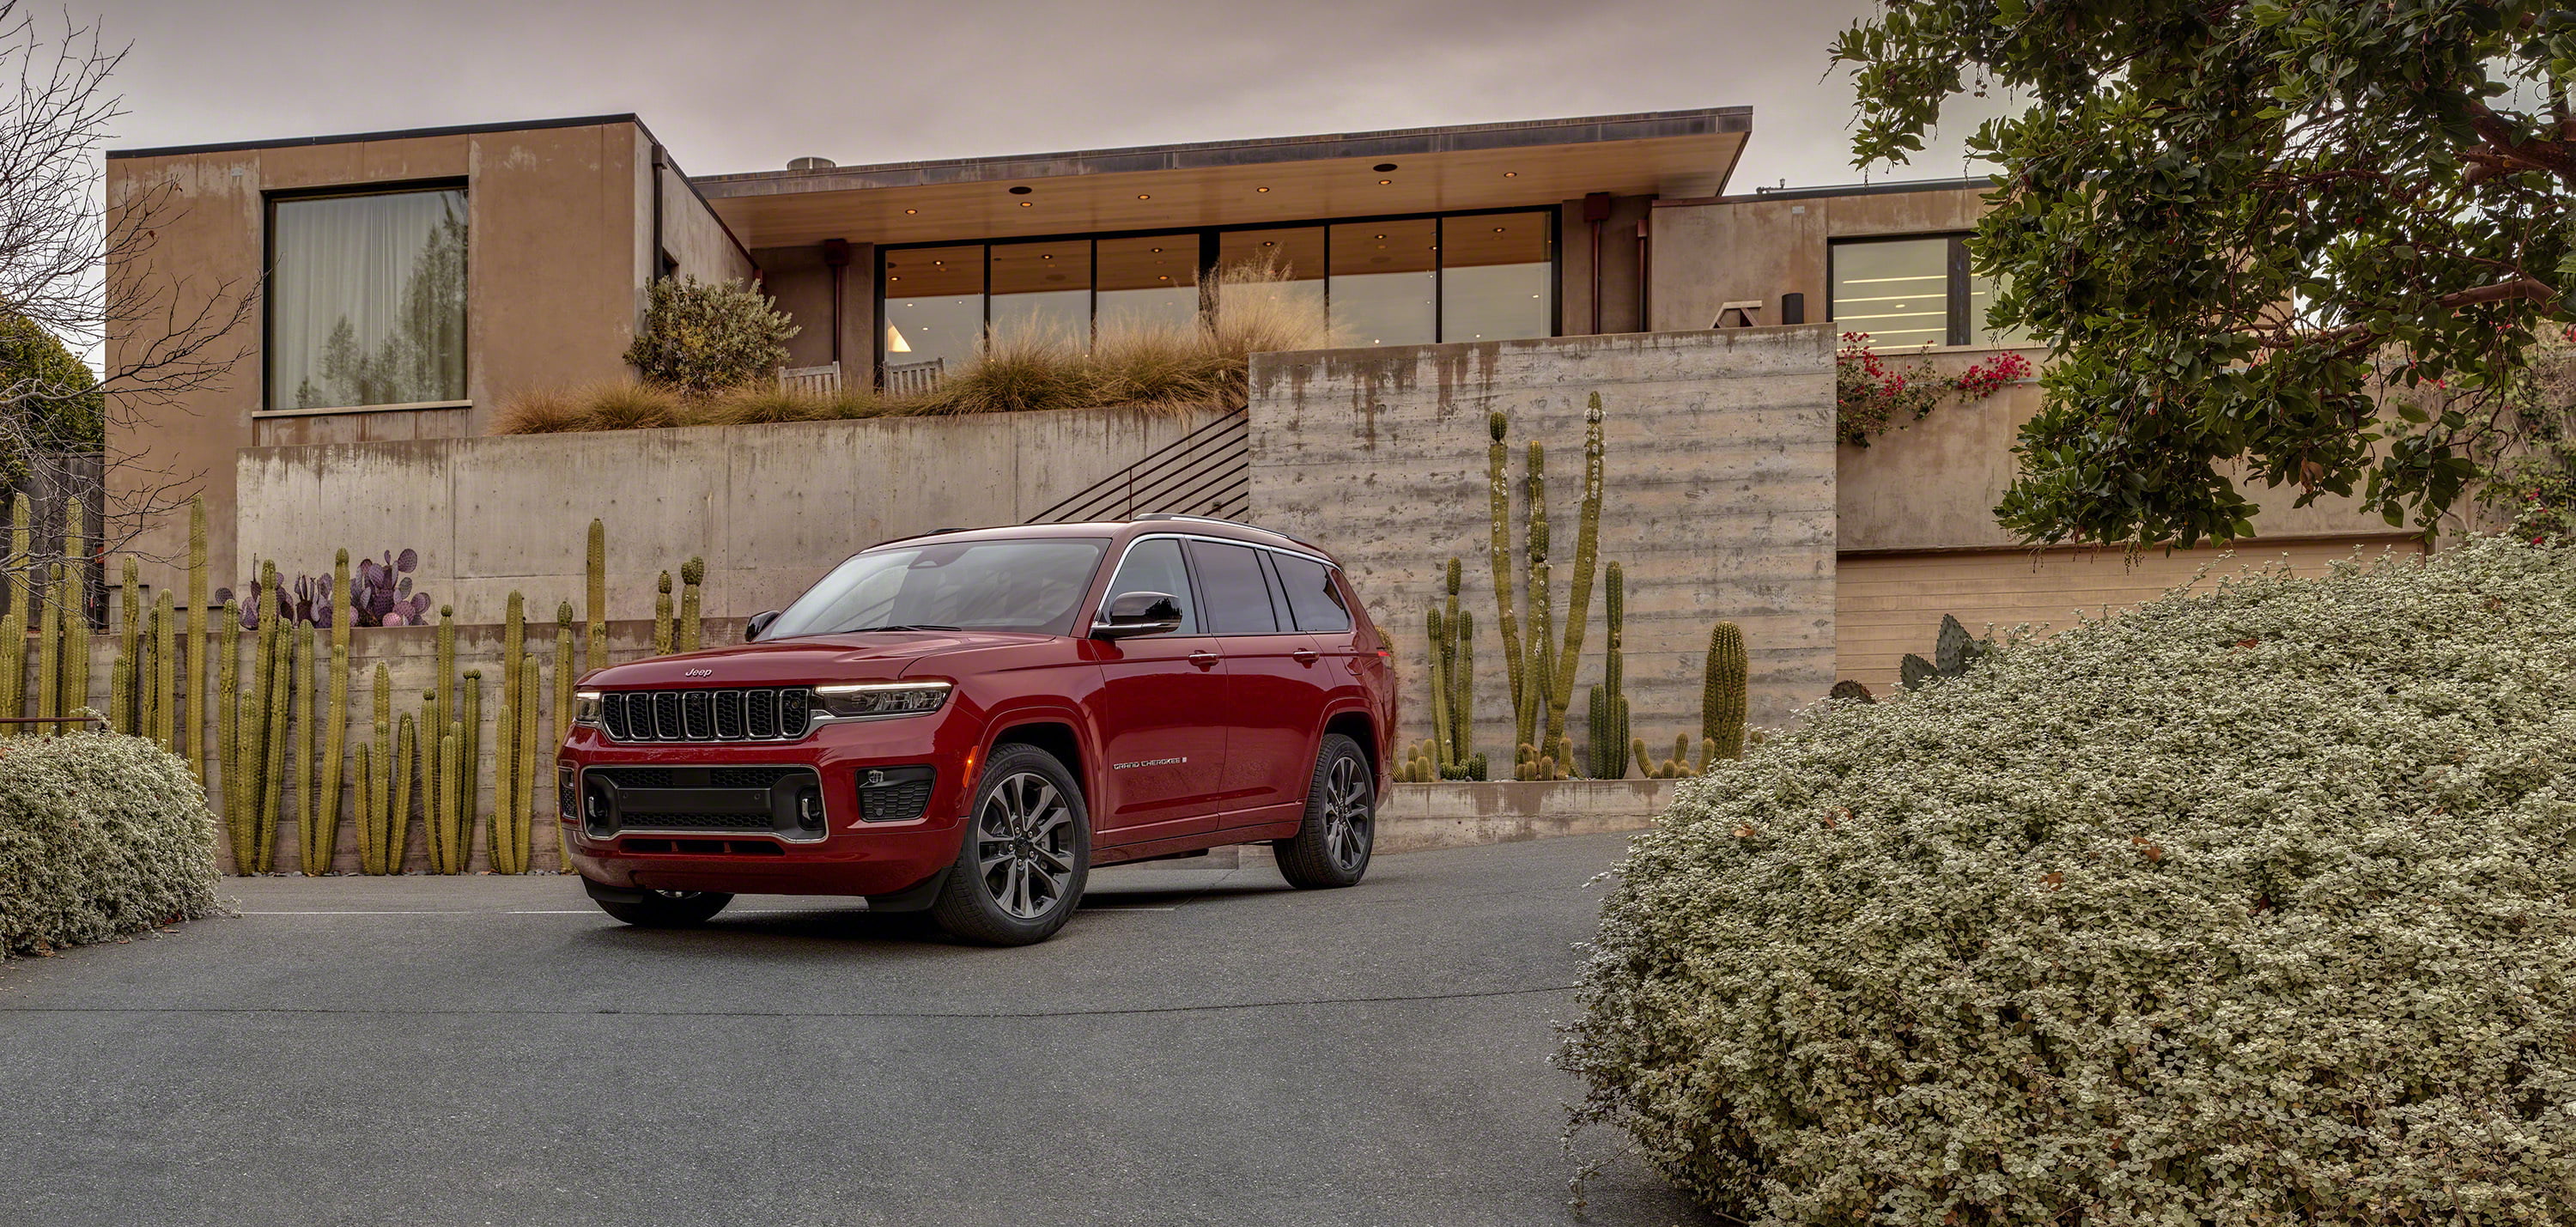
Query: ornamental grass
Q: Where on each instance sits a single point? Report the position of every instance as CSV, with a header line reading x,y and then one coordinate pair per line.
x,y
1170,367
2252,905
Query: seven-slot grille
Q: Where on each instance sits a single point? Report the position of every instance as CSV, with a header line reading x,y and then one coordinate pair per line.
x,y
765,714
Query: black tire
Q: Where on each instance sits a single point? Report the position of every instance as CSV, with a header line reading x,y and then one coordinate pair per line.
x,y
1332,848
667,909
1025,855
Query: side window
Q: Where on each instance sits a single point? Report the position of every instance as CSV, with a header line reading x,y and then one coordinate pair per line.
x,y
1238,599
1316,604
1155,566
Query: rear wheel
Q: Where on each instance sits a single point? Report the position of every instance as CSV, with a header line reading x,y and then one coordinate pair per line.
x,y
1332,848
667,909
1026,855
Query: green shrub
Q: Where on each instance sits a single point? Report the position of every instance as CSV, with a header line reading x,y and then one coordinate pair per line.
x,y
2255,906
701,338
101,835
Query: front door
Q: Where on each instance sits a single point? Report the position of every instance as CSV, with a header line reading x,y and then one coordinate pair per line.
x,y
1161,718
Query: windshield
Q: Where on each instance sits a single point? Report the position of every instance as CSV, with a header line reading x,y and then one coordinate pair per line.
x,y
963,585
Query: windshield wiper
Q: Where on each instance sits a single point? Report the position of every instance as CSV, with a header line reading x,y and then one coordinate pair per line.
x,y
905,626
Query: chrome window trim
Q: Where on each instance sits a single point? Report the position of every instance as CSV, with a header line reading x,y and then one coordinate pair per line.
x,y
1327,563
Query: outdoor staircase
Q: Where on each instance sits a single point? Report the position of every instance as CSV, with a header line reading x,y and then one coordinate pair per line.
x,y
1207,472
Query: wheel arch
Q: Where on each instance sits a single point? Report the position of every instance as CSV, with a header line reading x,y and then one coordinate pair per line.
x,y
1052,732
1356,724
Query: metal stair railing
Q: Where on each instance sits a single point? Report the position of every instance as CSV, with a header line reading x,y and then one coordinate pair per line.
x,y
1207,472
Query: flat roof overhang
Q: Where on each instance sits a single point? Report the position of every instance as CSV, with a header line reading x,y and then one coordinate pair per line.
x,y
1221,183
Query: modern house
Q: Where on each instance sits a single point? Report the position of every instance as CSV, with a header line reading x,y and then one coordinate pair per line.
x,y
413,282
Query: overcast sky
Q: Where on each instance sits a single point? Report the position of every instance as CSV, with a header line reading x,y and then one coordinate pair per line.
x,y
747,86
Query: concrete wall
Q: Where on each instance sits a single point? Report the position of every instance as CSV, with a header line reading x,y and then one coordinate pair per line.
x,y
769,507
691,232
1719,498
801,281
550,274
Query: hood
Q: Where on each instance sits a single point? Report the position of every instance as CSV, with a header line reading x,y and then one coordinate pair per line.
x,y
870,656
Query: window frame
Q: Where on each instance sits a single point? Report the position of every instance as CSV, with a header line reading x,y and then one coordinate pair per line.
x,y
1207,239
1332,570
268,202
1957,329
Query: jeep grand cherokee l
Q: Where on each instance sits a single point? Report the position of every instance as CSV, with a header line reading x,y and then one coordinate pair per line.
x,y
968,722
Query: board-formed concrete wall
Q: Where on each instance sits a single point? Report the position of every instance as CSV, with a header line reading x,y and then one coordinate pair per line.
x,y
770,507
1718,504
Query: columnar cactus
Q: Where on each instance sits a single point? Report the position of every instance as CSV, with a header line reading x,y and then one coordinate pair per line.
x,y
443,697
367,855
564,678
1723,693
280,687
199,644
1499,494
662,614
506,781
1462,689
75,650
165,672
13,627
1436,634
318,837
124,691
1587,549
1608,723
228,734
1538,688
1542,671
406,753
380,826
335,714
469,763
49,652
693,573
522,746
448,852
595,647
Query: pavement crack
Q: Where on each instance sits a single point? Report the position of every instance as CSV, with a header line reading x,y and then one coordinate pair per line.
x,y
892,1015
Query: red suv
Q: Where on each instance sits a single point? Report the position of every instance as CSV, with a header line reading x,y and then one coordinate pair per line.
x,y
967,722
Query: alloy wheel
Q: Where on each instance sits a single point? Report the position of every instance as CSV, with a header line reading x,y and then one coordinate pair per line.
x,y
1347,814
1024,845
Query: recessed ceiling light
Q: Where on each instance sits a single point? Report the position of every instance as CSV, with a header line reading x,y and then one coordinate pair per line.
x,y
1022,190
1384,182
910,212
1027,204
1379,236
1383,167
1154,249
1268,243
1261,189
1511,174
1163,278
1143,196
1498,230
937,263
894,278
1048,256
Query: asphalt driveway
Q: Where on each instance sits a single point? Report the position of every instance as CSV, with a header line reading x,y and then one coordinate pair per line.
x,y
1199,1046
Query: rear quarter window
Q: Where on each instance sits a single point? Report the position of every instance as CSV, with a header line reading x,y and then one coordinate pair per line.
x,y
1313,599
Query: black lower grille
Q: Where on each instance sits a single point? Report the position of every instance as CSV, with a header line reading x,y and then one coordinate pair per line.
x,y
780,800
894,794
764,714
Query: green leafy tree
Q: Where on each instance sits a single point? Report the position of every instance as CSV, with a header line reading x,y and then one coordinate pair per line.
x,y
2253,234
701,337
53,399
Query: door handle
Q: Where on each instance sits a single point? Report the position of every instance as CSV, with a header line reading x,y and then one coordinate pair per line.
x,y
1204,660
1304,656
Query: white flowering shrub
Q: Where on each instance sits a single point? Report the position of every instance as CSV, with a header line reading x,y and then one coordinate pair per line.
x,y
700,338
101,836
2246,907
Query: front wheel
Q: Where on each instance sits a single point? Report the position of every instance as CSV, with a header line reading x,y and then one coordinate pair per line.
x,y
667,909
1332,848
1026,855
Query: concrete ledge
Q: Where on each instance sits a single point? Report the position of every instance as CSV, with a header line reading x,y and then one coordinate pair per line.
x,y
1416,817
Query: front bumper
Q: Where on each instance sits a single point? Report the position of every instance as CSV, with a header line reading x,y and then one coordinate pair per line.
x,y
849,856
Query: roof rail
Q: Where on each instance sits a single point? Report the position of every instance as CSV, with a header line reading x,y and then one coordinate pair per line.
x,y
1175,515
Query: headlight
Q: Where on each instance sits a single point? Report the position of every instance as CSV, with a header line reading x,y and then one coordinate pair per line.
x,y
879,700
585,707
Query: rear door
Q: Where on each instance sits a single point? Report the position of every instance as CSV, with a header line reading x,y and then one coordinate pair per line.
x,y
1162,710
1273,705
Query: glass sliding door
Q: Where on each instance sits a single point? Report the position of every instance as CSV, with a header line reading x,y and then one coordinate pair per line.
x,y
1276,275
1497,277
1385,287
934,305
1146,284
1042,293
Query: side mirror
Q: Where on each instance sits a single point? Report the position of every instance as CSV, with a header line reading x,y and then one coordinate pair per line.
x,y
759,622
1130,614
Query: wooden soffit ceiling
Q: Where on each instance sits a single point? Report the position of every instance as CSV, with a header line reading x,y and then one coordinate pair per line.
x,y
1672,154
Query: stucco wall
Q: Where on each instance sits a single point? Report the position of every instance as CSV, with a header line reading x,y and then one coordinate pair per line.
x,y
1718,503
769,507
1734,248
550,284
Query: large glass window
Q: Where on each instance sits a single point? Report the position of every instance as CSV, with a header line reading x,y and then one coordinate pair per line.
x,y
1042,292
1401,281
1913,291
934,304
1497,277
366,300
1385,287
1148,283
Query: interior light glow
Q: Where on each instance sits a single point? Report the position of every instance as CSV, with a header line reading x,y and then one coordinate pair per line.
x,y
895,344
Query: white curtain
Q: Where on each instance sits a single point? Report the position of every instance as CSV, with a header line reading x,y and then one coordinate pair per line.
x,y
367,300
